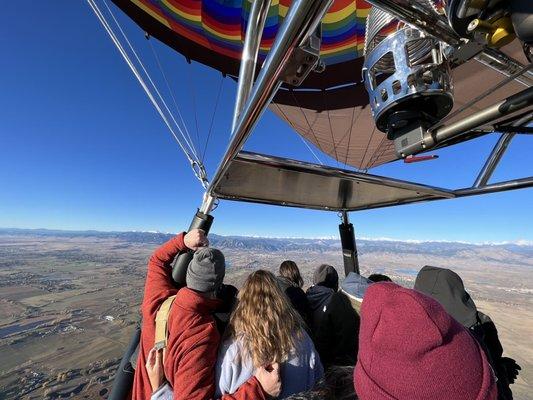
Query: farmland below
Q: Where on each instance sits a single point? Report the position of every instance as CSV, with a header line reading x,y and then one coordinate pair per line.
x,y
69,301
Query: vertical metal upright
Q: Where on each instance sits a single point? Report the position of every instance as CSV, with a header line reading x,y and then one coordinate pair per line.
x,y
349,248
254,32
250,51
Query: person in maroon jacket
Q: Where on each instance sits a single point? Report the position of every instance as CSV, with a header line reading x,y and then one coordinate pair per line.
x,y
193,339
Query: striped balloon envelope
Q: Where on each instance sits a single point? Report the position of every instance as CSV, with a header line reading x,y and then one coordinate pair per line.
x,y
212,31
330,109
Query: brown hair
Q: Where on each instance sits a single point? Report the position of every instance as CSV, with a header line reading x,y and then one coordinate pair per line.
x,y
288,269
265,320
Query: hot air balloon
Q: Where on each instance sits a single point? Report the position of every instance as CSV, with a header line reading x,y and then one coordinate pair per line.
x,y
366,82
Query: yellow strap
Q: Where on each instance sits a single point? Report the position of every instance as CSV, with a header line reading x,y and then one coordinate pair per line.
x,y
161,321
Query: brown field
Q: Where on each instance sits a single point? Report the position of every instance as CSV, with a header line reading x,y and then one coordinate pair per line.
x,y
68,305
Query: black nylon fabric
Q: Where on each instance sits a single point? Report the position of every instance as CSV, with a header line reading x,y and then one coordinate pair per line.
x,y
448,289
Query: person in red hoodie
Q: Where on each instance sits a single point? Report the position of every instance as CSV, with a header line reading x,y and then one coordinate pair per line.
x,y
410,348
193,338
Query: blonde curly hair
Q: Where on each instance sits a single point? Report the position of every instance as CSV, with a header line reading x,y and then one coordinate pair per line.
x,y
265,320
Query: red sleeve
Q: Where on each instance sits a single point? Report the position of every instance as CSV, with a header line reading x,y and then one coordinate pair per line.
x,y
249,390
159,284
194,378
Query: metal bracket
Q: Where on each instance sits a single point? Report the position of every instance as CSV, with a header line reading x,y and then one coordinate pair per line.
x,y
305,59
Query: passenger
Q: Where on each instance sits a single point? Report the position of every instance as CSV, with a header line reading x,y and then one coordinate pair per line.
x,y
334,322
193,339
379,278
448,289
290,282
410,348
265,328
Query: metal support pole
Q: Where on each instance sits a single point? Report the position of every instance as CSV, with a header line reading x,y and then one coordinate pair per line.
x,y
349,248
514,184
207,204
252,42
497,153
505,107
493,160
302,18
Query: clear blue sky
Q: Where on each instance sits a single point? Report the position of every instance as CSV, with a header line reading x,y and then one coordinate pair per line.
x,y
82,148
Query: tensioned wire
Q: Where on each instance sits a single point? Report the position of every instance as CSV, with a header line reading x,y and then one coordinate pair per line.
x,y
193,158
190,144
160,66
300,136
162,70
213,117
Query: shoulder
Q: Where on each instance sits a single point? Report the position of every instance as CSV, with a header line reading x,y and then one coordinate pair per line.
x,y
192,330
295,291
340,298
304,343
208,336
340,307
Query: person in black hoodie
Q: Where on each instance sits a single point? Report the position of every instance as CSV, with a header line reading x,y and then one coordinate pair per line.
x,y
448,289
334,323
290,282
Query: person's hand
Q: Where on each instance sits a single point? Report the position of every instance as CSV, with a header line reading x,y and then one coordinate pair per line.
x,y
268,377
195,238
154,367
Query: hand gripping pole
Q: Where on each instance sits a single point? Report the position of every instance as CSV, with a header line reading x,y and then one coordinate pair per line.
x,y
181,262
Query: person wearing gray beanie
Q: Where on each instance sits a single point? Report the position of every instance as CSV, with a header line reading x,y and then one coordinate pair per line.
x,y
206,270
191,337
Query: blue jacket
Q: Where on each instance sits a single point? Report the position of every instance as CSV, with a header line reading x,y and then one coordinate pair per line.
x,y
355,285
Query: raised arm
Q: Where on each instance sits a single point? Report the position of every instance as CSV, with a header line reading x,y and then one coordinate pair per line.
x,y
159,284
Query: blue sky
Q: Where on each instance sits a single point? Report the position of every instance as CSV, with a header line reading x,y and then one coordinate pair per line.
x,y
82,148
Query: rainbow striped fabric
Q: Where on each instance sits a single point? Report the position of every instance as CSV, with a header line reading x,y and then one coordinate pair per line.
x,y
219,25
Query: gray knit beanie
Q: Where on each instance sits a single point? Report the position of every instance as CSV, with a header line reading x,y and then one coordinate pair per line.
x,y
206,270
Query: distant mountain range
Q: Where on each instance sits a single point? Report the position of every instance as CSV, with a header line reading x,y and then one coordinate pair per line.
x,y
288,244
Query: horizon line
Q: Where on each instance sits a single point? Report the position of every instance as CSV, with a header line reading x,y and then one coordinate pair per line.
x,y
519,242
